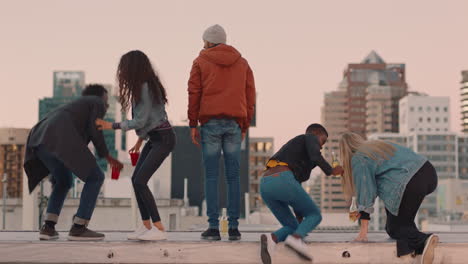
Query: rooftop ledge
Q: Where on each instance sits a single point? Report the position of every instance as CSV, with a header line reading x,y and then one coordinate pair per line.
x,y
186,247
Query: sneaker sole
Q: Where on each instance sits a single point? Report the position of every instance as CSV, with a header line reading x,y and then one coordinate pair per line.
x,y
211,238
264,254
300,254
74,238
157,239
234,238
47,237
428,253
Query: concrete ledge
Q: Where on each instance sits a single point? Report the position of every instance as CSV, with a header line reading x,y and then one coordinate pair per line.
x,y
185,247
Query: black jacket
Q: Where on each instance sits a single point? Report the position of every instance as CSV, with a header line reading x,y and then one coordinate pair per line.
x,y
302,154
66,133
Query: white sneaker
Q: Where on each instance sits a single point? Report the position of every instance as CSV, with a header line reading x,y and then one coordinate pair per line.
x,y
140,231
153,235
428,253
267,247
299,247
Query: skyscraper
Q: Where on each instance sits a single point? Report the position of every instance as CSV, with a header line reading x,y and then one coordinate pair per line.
x,y
334,118
372,84
366,101
68,83
464,101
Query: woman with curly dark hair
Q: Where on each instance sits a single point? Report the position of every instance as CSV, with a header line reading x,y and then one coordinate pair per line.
x,y
141,89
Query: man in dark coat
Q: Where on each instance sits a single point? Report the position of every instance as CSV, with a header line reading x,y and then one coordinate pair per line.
x,y
58,145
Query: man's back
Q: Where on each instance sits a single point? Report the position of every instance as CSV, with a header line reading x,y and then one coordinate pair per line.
x,y
221,85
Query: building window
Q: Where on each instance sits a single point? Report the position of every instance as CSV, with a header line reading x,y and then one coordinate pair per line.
x,y
437,129
428,119
429,129
445,120
428,108
437,109
411,109
420,109
420,120
445,109
437,120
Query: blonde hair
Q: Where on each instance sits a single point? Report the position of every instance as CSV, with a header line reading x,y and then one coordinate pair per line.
x,y
351,143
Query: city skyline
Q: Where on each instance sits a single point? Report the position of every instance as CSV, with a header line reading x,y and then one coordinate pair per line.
x,y
298,57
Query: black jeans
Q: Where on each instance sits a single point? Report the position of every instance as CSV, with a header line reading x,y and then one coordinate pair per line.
x,y
155,151
402,227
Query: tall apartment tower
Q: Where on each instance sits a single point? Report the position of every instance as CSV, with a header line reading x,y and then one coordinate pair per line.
x,y
12,150
374,89
334,118
464,101
365,102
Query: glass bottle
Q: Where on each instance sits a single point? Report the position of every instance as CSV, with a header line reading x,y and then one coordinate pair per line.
x,y
353,210
224,222
335,162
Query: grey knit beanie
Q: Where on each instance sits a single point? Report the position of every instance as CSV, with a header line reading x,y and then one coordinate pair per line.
x,y
215,34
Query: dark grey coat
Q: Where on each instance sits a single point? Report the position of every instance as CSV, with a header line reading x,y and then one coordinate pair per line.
x,y
66,133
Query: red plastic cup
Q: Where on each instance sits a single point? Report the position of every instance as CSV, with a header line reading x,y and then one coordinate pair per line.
x,y
134,157
115,173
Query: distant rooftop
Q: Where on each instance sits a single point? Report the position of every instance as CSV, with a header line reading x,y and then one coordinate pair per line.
x,y
373,58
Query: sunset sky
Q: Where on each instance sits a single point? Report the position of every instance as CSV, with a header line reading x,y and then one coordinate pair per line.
x,y
297,49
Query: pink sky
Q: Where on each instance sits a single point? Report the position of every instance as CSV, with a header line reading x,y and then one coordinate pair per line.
x,y
297,49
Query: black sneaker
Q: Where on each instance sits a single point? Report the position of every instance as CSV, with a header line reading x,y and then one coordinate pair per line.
x,y
234,234
82,233
48,233
211,234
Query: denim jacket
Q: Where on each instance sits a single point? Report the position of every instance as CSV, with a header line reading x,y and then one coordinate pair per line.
x,y
384,178
146,115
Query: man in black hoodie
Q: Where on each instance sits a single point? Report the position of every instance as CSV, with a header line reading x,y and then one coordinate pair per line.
x,y
58,145
281,188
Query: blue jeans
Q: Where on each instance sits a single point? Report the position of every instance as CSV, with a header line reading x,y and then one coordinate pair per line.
x,y
282,191
222,135
62,180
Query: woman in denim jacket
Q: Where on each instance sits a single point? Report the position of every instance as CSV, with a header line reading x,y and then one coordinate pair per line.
x,y
142,91
401,178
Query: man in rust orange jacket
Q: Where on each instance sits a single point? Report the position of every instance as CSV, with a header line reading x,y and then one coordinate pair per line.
x,y
222,99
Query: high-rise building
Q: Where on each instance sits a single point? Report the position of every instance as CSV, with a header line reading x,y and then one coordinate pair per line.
x,y
334,119
423,113
68,83
379,109
12,142
367,84
464,101
365,102
261,150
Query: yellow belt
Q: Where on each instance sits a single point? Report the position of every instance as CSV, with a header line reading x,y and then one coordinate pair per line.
x,y
275,163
